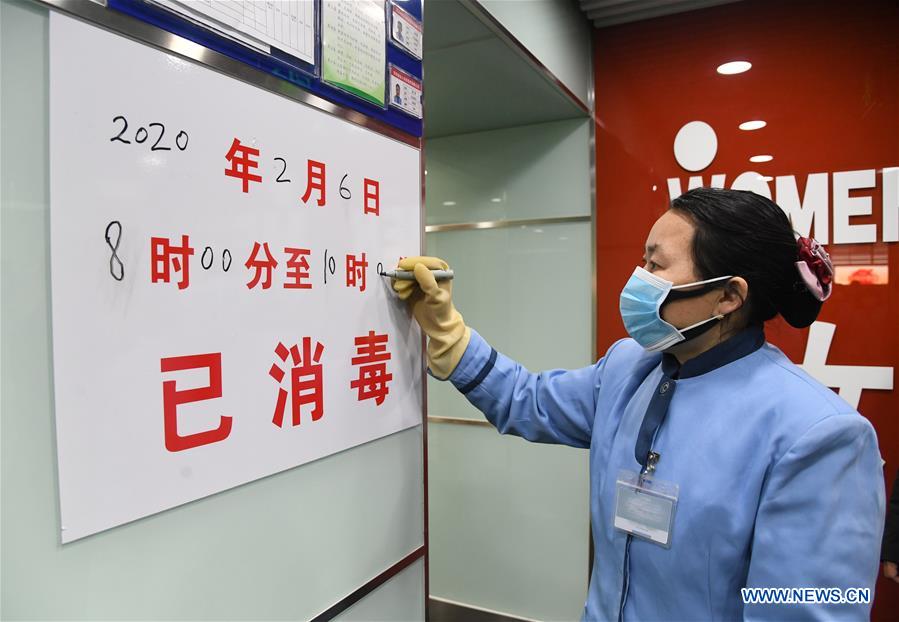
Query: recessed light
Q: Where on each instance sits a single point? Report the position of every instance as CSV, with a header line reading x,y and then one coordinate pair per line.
x,y
761,158
449,203
496,200
752,125
736,66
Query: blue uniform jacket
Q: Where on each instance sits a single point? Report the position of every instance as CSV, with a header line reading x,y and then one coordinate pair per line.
x,y
781,482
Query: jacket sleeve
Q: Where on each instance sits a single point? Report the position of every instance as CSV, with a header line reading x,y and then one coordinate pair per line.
x,y
890,550
555,406
820,521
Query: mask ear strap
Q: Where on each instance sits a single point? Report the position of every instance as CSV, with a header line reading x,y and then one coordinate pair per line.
x,y
676,294
697,329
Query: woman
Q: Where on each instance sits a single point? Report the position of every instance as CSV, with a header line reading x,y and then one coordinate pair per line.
x,y
715,463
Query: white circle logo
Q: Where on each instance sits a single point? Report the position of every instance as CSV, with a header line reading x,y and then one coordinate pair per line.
x,y
695,145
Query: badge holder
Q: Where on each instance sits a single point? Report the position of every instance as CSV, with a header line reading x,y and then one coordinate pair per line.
x,y
645,506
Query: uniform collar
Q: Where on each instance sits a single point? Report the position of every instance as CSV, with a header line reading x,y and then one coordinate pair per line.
x,y
743,343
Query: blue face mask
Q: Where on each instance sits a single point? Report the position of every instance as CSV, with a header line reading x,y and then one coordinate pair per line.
x,y
641,304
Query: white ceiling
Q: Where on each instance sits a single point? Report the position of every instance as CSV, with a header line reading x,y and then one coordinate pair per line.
x,y
611,12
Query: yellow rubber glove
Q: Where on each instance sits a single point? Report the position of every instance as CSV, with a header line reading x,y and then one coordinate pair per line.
x,y
432,307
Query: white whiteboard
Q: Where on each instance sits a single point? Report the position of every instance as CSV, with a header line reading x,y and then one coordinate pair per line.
x,y
110,336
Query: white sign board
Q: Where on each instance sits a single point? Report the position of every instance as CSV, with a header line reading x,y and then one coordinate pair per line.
x,y
354,47
405,31
288,25
405,92
217,313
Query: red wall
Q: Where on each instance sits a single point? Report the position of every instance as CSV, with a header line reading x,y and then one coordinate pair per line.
x,y
825,78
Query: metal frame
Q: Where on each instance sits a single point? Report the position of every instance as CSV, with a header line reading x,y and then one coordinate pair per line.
x,y
500,224
370,586
591,100
422,241
460,421
142,32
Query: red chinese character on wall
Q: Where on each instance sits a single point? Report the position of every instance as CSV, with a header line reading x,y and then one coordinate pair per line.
x,y
315,180
172,398
164,256
305,381
297,269
355,271
373,376
261,265
372,197
241,163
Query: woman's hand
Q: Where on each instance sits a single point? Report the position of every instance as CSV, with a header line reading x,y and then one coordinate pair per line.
x,y
432,306
890,571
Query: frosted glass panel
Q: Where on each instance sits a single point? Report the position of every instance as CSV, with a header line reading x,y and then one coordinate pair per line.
x,y
509,519
401,599
534,171
526,291
508,522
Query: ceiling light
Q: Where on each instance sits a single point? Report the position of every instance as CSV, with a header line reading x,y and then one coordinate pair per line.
x,y
496,200
752,125
736,66
761,158
449,203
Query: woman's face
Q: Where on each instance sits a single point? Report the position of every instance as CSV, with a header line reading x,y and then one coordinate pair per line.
x,y
669,255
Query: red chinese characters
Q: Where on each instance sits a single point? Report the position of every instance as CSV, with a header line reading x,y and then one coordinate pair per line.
x,y
372,361
164,256
315,181
172,398
239,156
371,197
355,271
297,269
305,381
261,266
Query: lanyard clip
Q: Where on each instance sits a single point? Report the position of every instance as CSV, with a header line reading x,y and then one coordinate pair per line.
x,y
652,459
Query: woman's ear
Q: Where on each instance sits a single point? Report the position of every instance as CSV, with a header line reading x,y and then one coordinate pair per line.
x,y
733,296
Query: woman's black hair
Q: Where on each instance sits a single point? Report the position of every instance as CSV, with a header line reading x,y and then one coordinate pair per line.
x,y
741,233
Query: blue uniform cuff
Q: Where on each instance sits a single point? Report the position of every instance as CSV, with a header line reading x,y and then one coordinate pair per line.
x,y
475,364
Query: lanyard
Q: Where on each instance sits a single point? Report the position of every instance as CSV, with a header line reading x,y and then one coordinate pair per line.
x,y
652,421
738,346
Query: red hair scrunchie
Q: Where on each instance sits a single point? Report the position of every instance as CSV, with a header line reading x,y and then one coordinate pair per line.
x,y
815,268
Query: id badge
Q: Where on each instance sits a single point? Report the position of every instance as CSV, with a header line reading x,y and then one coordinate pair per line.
x,y
645,508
